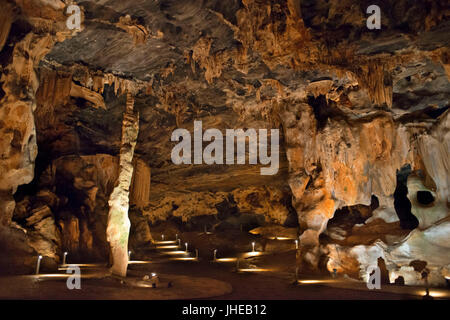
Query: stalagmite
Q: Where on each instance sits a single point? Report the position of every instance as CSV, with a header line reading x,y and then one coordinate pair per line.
x,y
118,227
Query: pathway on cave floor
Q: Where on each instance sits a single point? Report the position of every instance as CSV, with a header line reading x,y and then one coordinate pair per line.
x,y
276,284
197,280
190,280
260,286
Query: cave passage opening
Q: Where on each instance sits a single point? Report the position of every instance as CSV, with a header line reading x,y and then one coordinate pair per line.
x,y
402,204
425,197
347,217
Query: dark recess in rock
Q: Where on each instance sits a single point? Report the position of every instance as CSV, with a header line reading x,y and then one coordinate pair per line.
x,y
401,202
425,197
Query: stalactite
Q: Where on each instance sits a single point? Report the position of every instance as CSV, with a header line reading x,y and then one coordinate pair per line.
x,y
118,227
376,78
17,106
70,234
54,90
80,81
213,64
139,32
92,96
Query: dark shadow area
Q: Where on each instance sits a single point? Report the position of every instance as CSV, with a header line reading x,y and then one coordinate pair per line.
x,y
425,197
322,111
347,217
402,204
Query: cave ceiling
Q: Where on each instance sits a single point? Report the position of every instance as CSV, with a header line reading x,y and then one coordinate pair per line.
x,y
229,62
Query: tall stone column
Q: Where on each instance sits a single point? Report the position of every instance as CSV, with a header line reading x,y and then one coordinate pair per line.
x,y
118,227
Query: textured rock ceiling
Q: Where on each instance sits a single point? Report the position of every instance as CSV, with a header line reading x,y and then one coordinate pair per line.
x,y
220,60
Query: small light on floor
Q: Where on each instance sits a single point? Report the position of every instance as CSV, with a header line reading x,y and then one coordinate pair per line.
x,y
284,238
186,245
175,252
83,265
164,242
254,270
253,246
129,255
312,281
252,254
38,265
226,259
64,257
167,247
433,293
184,259
162,237
139,262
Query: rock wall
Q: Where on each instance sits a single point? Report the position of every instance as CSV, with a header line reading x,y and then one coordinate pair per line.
x,y
26,36
271,204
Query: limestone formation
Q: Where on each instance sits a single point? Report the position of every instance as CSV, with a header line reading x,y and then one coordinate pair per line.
x,y
118,227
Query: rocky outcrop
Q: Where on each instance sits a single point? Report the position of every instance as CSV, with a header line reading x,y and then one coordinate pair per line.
x,y
70,208
229,208
78,206
428,246
26,36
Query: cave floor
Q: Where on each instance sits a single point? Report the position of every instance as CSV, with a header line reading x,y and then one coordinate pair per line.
x,y
277,285
192,280
265,275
